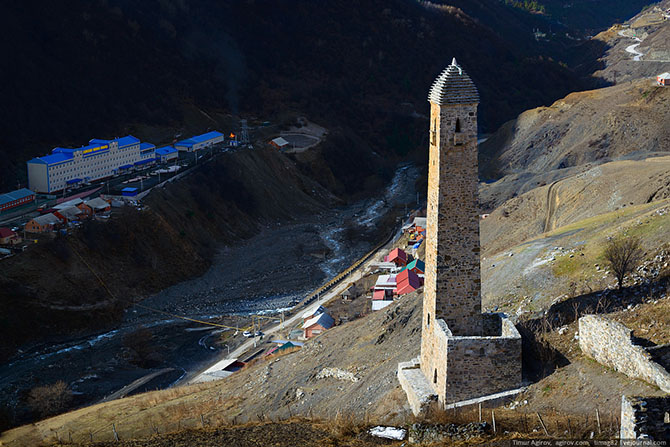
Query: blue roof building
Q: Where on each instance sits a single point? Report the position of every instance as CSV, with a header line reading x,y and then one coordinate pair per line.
x,y
167,153
99,159
200,141
129,192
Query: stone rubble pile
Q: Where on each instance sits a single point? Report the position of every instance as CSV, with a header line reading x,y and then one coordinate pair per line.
x,y
429,434
338,374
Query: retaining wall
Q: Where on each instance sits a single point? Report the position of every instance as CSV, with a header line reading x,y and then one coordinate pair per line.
x,y
610,344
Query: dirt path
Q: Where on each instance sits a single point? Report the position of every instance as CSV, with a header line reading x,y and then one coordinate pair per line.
x,y
552,204
123,392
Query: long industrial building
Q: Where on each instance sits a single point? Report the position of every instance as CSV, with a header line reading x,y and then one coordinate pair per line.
x,y
16,198
99,159
199,142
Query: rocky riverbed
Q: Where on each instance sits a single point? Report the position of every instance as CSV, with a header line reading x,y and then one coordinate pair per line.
x,y
264,274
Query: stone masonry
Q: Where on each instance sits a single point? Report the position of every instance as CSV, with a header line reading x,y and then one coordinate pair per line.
x,y
645,418
464,354
610,343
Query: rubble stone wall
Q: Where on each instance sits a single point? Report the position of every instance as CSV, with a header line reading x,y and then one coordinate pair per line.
x,y
645,418
610,344
482,365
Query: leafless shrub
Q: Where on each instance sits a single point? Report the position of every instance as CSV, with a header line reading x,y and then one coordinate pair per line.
x,y
47,400
623,255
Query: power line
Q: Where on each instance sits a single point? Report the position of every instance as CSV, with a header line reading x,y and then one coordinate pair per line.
x,y
181,317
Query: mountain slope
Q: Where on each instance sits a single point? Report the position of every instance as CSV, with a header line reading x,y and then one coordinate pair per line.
x,y
646,34
584,127
599,190
108,67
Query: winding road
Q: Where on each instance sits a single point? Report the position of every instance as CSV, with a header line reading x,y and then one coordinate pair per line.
x,y
632,48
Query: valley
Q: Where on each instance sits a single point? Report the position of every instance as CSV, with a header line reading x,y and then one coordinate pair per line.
x,y
250,234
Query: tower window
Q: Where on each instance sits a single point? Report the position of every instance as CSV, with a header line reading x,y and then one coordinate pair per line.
x,y
435,376
428,323
458,124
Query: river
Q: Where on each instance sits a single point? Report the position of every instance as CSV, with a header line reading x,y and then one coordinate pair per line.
x,y
263,275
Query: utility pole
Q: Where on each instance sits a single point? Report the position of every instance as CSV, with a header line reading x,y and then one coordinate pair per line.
x,y
253,331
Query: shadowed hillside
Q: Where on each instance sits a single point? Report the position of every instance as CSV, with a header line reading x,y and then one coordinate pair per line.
x,y
107,67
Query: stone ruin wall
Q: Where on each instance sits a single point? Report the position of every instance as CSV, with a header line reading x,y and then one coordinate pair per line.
x,y
482,365
645,418
610,344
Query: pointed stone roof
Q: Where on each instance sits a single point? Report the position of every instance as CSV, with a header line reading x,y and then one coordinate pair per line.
x,y
453,86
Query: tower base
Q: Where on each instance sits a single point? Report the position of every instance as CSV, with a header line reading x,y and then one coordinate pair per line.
x,y
420,393
467,369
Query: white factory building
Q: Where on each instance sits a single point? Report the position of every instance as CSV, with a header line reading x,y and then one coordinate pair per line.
x,y
199,142
99,159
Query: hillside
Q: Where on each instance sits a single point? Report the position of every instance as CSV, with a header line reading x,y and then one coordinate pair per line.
x,y
585,127
50,289
162,68
589,192
360,358
650,32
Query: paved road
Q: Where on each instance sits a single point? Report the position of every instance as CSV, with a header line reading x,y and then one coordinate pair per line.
x,y
213,372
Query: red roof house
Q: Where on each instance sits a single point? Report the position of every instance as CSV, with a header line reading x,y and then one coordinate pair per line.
x,y
380,294
8,236
397,256
408,281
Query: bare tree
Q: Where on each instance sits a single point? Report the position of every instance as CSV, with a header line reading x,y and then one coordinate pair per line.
x,y
623,253
50,399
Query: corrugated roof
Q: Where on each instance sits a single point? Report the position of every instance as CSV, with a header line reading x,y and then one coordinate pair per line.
x,y
206,136
417,263
70,212
324,320
453,86
146,146
397,253
6,232
420,221
200,138
53,159
127,141
165,150
311,313
47,219
97,203
15,195
69,203
279,141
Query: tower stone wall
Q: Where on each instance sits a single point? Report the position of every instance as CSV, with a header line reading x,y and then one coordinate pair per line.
x,y
464,354
452,285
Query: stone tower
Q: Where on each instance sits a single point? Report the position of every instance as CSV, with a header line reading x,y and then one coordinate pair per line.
x,y
464,353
